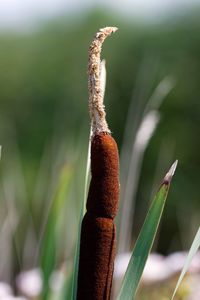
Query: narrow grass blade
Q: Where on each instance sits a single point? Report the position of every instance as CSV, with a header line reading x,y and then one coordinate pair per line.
x,y
73,290
193,250
49,240
145,132
145,124
145,240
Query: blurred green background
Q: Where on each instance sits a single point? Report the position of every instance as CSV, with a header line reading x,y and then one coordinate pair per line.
x,y
44,123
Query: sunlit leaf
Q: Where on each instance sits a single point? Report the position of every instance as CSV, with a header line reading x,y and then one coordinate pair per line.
x,y
145,240
193,250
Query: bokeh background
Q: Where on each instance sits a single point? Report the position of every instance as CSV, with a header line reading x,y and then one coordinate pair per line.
x,y
153,64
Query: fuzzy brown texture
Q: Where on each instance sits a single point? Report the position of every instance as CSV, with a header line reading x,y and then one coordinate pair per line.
x,y
97,250
104,187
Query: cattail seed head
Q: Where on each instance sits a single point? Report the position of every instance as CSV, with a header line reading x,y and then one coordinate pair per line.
x,y
96,106
104,187
97,245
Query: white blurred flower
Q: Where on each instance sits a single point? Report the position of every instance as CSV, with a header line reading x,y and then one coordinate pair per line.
x,y
158,268
12,298
176,261
5,290
29,283
121,264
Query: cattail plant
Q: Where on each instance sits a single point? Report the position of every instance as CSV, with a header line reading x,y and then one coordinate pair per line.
x,y
98,232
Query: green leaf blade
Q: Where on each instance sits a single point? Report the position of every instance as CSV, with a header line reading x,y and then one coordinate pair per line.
x,y
193,250
49,237
145,240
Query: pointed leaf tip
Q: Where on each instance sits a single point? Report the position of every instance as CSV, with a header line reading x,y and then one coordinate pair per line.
x,y
170,173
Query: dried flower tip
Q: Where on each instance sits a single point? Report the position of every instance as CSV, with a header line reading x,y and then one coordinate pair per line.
x,y
96,92
103,77
170,173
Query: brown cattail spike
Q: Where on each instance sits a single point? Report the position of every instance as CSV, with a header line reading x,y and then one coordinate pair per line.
x,y
97,246
98,232
96,258
104,187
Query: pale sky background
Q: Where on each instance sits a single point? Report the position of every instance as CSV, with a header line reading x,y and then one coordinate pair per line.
x,y
21,13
